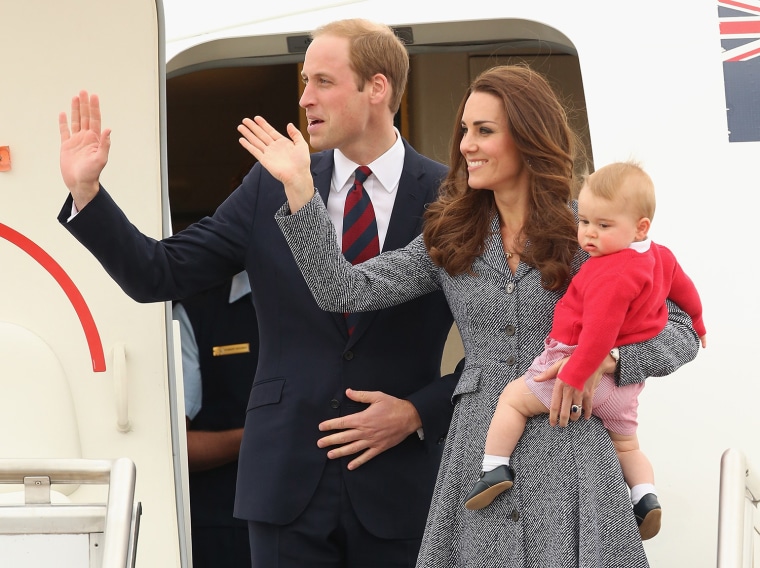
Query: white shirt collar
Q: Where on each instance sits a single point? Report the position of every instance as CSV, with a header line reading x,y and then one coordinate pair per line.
x,y
641,246
387,168
240,286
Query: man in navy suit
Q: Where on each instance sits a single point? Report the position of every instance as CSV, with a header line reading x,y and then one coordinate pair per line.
x,y
343,433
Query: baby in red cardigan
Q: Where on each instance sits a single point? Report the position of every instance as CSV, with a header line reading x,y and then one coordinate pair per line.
x,y
616,298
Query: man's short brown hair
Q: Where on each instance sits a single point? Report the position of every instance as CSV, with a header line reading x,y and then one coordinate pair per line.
x,y
373,48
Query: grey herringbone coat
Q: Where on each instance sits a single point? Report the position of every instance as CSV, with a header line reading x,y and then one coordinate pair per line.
x,y
569,506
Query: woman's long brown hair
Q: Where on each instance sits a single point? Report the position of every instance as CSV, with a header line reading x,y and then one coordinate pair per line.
x,y
459,222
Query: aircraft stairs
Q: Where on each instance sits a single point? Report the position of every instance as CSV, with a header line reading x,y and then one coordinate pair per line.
x,y
738,519
40,527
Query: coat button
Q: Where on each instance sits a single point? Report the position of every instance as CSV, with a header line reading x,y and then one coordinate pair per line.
x,y
334,403
348,355
515,515
510,287
509,330
510,360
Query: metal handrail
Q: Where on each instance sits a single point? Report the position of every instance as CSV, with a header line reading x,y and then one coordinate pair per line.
x,y
739,496
118,474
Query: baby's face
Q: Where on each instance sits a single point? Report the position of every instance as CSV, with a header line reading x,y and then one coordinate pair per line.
x,y
605,226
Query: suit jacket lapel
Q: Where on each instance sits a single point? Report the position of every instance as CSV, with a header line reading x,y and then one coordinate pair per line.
x,y
409,207
321,170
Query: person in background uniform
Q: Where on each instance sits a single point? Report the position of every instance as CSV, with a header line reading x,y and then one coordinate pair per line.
x,y
220,346
344,431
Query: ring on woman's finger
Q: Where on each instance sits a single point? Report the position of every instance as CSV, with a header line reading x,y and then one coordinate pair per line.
x,y
575,409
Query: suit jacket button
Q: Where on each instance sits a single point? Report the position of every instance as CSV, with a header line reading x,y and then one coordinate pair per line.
x,y
348,355
515,515
334,403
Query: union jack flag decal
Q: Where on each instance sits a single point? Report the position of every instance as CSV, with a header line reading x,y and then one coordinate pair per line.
x,y
739,23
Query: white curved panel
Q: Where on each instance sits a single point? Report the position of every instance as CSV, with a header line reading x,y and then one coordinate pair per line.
x,y
37,414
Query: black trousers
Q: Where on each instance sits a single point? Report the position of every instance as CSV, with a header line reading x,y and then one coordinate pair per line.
x,y
327,535
221,547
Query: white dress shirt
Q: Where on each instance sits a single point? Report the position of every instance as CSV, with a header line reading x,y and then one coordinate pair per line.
x,y
381,187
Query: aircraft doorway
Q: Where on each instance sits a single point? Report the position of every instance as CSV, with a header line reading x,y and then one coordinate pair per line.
x,y
204,108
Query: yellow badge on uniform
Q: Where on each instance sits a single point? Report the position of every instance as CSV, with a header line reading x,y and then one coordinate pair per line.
x,y
234,349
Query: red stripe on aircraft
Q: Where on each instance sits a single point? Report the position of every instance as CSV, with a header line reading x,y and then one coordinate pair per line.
x,y
70,289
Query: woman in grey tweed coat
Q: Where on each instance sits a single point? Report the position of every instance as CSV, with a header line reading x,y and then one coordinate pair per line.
x,y
502,257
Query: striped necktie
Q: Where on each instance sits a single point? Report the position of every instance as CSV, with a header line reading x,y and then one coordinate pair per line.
x,y
360,240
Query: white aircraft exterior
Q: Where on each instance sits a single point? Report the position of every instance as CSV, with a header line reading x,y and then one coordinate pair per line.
x,y
86,372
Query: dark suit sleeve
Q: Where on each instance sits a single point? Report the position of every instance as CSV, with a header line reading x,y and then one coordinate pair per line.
x,y
150,270
434,405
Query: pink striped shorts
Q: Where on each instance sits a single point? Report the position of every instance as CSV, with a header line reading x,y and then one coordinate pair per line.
x,y
616,406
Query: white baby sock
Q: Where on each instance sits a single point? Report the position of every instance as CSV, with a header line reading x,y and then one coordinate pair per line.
x,y
492,462
638,491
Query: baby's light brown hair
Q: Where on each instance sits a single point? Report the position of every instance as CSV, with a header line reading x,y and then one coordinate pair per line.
x,y
626,182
